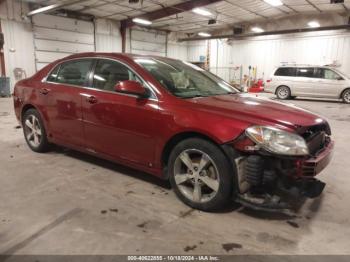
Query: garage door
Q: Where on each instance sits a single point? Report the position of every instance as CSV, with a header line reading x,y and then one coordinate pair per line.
x,y
56,37
148,43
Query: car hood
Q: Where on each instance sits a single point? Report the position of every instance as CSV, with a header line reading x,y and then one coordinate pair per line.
x,y
258,111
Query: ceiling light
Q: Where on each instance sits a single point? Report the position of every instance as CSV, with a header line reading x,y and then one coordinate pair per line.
x,y
141,21
257,30
274,2
204,34
201,11
145,61
313,24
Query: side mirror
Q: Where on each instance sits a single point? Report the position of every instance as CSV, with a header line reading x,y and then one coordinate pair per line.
x,y
131,87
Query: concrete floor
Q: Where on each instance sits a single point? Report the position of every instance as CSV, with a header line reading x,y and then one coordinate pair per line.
x,y
65,202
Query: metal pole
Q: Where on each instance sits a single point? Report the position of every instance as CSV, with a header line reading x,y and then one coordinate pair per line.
x,y
2,57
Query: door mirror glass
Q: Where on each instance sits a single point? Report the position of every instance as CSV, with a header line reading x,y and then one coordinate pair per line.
x,y
131,87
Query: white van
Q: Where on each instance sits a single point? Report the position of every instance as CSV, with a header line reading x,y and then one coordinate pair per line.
x,y
309,81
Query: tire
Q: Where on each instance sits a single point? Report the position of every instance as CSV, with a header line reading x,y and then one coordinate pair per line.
x,y
34,131
214,181
346,96
283,92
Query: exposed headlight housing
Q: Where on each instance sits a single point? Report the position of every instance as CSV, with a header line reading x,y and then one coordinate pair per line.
x,y
278,141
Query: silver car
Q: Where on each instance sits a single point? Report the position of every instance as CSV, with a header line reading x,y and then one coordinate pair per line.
x,y
309,81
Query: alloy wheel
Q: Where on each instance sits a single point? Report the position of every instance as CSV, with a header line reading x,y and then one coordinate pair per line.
x,y
346,96
283,92
196,175
33,131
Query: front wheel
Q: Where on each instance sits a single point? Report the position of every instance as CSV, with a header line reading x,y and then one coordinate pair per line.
x,y
200,174
346,96
34,131
283,92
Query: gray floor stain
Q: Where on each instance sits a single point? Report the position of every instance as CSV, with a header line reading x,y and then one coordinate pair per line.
x,y
231,246
42,231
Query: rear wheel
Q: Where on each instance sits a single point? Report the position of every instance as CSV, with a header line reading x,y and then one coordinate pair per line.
x,y
200,174
346,96
34,131
283,92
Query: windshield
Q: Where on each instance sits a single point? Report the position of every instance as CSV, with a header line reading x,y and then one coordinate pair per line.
x,y
185,80
341,73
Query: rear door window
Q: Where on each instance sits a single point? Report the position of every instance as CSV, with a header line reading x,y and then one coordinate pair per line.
x,y
285,71
74,72
53,75
305,72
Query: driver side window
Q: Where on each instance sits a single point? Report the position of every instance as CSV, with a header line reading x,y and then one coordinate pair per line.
x,y
108,73
327,74
331,75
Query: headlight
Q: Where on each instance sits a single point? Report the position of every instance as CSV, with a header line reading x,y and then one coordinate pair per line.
x,y
278,141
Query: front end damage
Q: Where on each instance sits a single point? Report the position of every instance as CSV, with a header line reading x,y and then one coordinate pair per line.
x,y
275,182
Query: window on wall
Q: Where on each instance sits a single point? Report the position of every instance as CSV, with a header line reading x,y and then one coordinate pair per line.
x,y
305,72
108,73
74,72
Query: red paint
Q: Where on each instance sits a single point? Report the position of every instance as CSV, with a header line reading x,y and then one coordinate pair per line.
x,y
130,87
133,130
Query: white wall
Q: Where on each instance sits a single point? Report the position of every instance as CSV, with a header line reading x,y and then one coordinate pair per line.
x,y
196,49
177,50
18,34
18,48
108,37
56,37
267,52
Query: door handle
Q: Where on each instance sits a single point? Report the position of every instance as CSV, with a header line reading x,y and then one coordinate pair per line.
x,y
44,91
91,100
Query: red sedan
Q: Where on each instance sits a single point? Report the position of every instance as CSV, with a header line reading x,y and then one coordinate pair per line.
x,y
178,122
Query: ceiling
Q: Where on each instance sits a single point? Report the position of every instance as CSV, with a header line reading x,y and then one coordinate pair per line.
x,y
226,12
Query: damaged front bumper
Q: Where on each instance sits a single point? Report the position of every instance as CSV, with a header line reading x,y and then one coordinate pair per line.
x,y
272,183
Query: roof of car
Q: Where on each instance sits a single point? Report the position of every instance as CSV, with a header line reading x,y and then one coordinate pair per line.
x,y
116,55
301,65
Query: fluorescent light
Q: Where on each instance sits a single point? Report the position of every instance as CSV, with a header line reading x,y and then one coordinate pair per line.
x,y
257,29
201,11
141,21
313,24
204,34
145,61
274,2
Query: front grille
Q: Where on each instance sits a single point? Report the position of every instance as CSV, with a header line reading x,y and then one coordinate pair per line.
x,y
316,138
316,142
309,169
312,130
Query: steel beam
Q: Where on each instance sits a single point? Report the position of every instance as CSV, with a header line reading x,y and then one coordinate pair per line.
x,y
313,5
278,32
2,57
168,11
54,7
